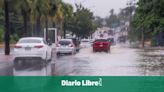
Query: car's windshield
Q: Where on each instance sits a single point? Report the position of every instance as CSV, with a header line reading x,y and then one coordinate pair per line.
x,y
64,42
84,41
100,40
29,41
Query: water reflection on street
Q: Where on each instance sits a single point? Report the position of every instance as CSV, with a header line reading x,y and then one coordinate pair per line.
x,y
121,61
152,62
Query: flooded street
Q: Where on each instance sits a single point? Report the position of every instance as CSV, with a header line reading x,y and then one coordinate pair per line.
x,y
121,61
152,62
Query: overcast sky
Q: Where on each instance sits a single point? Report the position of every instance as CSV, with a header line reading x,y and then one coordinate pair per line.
x,y
101,7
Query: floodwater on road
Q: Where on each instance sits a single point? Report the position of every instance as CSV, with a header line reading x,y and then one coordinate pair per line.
x,y
121,61
152,62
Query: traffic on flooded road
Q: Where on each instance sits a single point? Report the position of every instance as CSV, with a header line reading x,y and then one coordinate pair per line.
x,y
121,61
81,38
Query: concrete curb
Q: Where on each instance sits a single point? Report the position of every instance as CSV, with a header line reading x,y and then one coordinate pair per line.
x,y
154,48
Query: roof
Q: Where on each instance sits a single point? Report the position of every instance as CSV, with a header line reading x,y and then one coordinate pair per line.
x,y
39,38
65,40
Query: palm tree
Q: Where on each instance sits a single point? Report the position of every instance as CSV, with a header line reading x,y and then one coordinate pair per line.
x,y
23,8
56,16
1,3
67,10
38,10
61,15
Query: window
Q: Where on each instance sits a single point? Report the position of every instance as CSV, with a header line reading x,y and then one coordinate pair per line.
x,y
29,41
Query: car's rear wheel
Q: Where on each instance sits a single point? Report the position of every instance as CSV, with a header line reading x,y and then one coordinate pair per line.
x,y
77,50
108,51
94,50
58,54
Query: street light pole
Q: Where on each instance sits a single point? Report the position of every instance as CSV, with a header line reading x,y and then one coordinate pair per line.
x,y
7,29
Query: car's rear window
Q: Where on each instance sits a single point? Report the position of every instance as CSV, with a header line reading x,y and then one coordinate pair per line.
x,y
29,41
85,41
101,40
64,42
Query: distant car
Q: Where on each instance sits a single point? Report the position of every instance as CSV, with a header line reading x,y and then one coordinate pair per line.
x,y
111,40
29,48
65,46
101,35
122,39
85,43
91,41
101,45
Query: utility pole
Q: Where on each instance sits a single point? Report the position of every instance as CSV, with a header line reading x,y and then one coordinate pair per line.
x,y
7,29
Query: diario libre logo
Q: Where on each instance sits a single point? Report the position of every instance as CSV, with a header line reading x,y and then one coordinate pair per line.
x,y
91,83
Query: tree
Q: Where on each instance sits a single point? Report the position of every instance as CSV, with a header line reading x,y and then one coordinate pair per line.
x,y
7,29
67,14
22,8
112,21
148,20
82,22
98,21
1,3
38,9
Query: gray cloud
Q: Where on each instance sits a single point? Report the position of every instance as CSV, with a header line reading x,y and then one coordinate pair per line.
x,y
101,7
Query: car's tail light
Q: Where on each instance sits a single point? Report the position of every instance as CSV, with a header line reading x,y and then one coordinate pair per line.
x,y
106,43
39,46
57,45
16,46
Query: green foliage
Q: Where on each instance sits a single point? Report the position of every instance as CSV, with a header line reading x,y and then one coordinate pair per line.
x,y
81,23
149,17
1,34
28,17
99,21
14,38
113,20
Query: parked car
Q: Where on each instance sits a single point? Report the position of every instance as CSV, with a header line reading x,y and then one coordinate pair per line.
x,y
65,46
85,43
28,49
101,45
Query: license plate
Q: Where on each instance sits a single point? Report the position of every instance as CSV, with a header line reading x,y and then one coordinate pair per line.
x,y
101,45
27,48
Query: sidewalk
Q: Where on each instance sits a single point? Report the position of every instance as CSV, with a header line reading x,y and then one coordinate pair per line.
x,y
153,48
153,51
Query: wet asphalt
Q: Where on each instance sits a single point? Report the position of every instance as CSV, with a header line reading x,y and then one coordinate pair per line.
x,y
121,61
